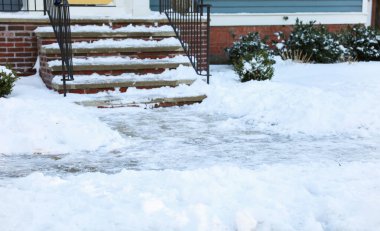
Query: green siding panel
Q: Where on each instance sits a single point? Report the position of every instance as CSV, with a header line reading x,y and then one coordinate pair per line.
x,y
279,6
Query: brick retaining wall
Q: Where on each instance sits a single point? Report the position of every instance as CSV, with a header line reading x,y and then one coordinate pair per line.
x,y
18,45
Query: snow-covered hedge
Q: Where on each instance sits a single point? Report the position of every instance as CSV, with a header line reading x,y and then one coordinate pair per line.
x,y
361,43
252,58
7,81
309,43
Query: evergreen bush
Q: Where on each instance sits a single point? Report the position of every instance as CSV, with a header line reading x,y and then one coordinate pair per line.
x,y
246,45
310,43
361,43
251,57
255,66
7,81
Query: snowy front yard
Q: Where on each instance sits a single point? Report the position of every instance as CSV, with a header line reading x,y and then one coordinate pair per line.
x,y
300,152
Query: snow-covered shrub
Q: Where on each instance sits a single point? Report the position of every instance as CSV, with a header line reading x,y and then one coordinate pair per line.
x,y
310,42
257,65
248,44
251,57
360,43
7,81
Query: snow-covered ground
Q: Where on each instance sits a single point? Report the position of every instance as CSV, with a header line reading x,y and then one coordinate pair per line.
x,y
300,152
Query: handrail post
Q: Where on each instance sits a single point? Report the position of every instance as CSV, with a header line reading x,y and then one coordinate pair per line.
x,y
45,7
208,42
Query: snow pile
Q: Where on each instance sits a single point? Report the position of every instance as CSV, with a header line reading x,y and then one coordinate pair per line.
x,y
278,197
36,120
301,98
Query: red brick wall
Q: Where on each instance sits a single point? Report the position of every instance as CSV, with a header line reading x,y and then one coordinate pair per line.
x,y
223,37
18,46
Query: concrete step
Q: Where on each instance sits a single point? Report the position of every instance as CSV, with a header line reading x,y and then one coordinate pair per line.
x,y
149,103
127,47
115,65
93,84
95,31
121,86
151,98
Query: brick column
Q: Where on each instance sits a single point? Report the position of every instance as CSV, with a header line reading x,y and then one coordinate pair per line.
x,y
18,44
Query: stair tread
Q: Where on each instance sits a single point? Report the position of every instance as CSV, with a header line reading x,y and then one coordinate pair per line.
x,y
120,62
106,31
111,45
180,94
182,75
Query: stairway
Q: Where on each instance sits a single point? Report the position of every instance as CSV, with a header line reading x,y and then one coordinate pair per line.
x,y
120,56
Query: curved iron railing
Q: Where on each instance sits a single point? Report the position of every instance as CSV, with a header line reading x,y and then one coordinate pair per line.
x,y
59,15
190,20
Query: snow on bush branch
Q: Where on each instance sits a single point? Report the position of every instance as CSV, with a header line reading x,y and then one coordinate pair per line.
x,y
7,81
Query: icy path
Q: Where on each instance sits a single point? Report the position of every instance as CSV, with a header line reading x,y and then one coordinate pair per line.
x,y
182,138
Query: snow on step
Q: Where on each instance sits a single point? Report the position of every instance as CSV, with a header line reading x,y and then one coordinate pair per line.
x,y
121,17
125,61
182,94
181,73
107,29
125,43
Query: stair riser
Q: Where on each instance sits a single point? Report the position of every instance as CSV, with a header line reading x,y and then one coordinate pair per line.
x,y
98,90
155,105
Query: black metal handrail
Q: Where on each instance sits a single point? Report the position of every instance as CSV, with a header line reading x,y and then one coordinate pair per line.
x,y
21,5
59,15
192,28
